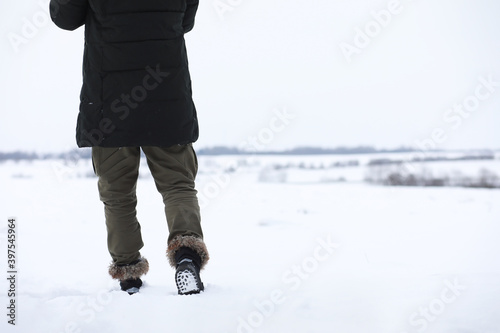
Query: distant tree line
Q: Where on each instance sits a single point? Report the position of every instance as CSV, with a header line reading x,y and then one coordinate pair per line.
x,y
217,150
225,150
390,176
467,157
25,156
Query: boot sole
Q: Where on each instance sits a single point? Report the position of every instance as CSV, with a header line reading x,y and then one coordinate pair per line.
x,y
188,282
132,290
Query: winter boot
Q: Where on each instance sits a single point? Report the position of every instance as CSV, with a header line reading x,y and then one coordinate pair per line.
x,y
187,274
129,274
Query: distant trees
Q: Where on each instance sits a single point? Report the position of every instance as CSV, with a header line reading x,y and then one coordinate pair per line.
x,y
223,150
388,171
25,156
18,156
396,175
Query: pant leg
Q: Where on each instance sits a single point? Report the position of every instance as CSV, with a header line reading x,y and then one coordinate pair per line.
x,y
118,170
174,170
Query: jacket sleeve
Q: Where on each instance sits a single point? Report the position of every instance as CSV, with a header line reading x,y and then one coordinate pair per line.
x,y
188,22
68,14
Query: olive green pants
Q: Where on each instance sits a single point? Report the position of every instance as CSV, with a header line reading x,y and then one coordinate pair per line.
x,y
174,170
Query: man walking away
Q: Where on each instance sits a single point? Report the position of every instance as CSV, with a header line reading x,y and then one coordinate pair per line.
x,y
136,94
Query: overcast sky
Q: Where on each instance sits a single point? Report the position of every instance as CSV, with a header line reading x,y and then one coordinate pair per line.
x,y
274,74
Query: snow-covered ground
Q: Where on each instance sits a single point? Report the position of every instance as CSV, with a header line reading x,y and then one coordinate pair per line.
x,y
290,252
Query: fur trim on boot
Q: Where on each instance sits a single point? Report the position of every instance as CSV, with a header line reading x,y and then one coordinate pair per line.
x,y
192,242
132,271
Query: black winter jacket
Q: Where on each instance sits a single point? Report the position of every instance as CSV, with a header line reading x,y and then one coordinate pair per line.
x,y
136,83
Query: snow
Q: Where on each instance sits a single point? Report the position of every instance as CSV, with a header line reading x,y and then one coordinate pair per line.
x,y
293,254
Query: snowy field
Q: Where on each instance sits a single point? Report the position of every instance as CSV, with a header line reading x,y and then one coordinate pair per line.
x,y
291,251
